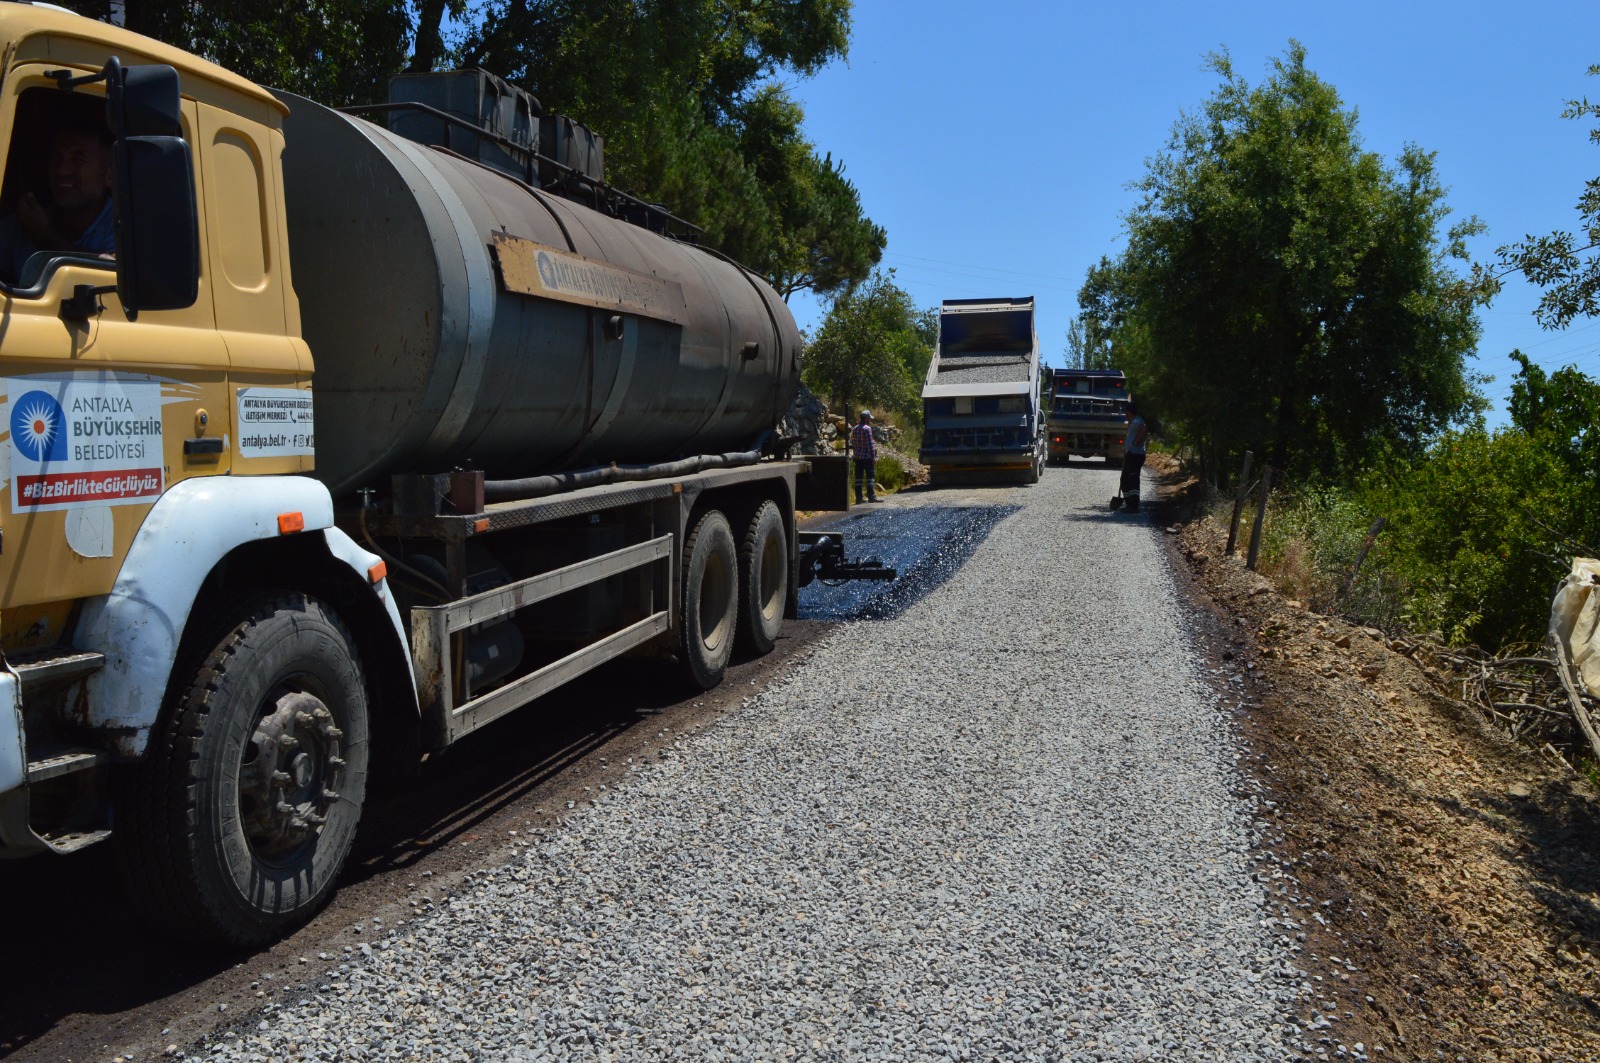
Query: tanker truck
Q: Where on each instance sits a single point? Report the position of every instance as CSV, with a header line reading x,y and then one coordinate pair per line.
x,y
364,436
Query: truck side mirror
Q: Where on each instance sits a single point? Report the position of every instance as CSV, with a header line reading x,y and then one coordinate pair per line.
x,y
158,228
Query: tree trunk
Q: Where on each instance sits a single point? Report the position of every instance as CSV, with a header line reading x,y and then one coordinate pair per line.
x,y
1280,440
430,43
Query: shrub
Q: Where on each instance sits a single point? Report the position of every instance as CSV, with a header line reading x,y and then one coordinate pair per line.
x,y
1476,535
891,474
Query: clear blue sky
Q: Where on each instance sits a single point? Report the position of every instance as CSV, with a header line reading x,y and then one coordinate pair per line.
x,y
995,140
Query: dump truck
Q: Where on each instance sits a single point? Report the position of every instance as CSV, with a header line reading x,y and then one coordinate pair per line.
x,y
980,400
1088,415
370,431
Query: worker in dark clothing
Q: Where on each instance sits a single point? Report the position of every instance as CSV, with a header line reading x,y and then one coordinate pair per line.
x,y
1135,439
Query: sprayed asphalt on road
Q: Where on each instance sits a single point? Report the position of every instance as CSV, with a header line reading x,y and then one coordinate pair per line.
x,y
924,543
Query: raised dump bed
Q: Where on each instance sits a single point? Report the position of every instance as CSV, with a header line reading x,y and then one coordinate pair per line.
x,y
981,397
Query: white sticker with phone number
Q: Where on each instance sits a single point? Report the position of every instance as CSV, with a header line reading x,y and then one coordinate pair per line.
x,y
275,423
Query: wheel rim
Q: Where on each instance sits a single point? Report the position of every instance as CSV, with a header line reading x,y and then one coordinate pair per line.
x,y
288,775
716,583
772,577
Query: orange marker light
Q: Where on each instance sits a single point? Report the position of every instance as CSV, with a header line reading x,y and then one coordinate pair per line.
x,y
291,522
480,526
376,573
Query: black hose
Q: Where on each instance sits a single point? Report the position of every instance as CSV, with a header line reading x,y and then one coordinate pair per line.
x,y
555,483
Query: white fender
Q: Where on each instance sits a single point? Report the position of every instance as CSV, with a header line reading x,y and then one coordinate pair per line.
x,y
361,561
192,527
13,746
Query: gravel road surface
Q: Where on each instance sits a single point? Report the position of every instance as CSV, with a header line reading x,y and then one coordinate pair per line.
x,y
999,822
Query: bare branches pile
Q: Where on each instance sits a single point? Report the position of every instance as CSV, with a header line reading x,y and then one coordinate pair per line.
x,y
1520,691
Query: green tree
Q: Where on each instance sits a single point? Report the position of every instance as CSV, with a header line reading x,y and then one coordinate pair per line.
x,y
1284,289
1484,522
334,51
1088,344
685,93
871,349
1565,264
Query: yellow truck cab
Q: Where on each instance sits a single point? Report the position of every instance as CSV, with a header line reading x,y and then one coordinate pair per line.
x,y
158,414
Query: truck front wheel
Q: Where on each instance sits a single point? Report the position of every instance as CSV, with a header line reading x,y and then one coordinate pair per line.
x,y
763,579
706,613
237,823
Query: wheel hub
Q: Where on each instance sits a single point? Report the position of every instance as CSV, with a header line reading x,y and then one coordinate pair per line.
x,y
288,779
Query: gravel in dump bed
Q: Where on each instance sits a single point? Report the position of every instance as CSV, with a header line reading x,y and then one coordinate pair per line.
x,y
1002,826
983,370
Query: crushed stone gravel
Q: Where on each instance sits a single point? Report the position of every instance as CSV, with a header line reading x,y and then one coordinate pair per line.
x,y
1006,824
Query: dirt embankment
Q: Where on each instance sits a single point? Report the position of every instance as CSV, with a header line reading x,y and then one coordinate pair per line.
x,y
1446,878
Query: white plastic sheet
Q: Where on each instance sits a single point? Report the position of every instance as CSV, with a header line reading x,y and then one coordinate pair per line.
x,y
1575,620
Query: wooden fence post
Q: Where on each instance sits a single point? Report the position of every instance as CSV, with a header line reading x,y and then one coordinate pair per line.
x,y
1238,503
1261,517
1366,545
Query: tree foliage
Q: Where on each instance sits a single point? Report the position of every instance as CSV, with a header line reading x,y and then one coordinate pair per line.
x,y
1283,289
685,92
1485,522
1088,344
1565,264
872,349
335,51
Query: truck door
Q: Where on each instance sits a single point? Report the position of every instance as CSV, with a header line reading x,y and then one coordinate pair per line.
x,y
96,409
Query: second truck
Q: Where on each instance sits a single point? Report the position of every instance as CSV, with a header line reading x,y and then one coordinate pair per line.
x,y
1088,415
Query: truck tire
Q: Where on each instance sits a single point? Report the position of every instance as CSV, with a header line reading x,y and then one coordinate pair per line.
x,y
763,579
708,606
235,826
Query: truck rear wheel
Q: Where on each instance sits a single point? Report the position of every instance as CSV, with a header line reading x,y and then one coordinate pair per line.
x,y
237,823
708,608
763,579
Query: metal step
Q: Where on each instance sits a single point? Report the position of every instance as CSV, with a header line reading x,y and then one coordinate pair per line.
x,y
57,761
75,840
59,664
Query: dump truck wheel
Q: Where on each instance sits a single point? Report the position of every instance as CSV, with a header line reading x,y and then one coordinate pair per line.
x,y
235,826
763,579
708,609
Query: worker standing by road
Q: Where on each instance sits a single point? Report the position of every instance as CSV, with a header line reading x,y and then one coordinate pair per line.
x,y
864,451
1133,457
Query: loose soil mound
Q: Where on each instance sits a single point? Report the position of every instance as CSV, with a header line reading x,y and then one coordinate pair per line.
x,y
1444,876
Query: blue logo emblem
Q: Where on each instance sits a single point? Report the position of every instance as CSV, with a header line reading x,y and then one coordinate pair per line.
x,y
39,427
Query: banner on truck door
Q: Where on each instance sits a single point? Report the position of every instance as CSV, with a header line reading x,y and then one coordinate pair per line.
x,y
275,423
83,440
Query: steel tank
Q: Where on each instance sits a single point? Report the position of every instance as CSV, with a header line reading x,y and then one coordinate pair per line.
x,y
456,315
